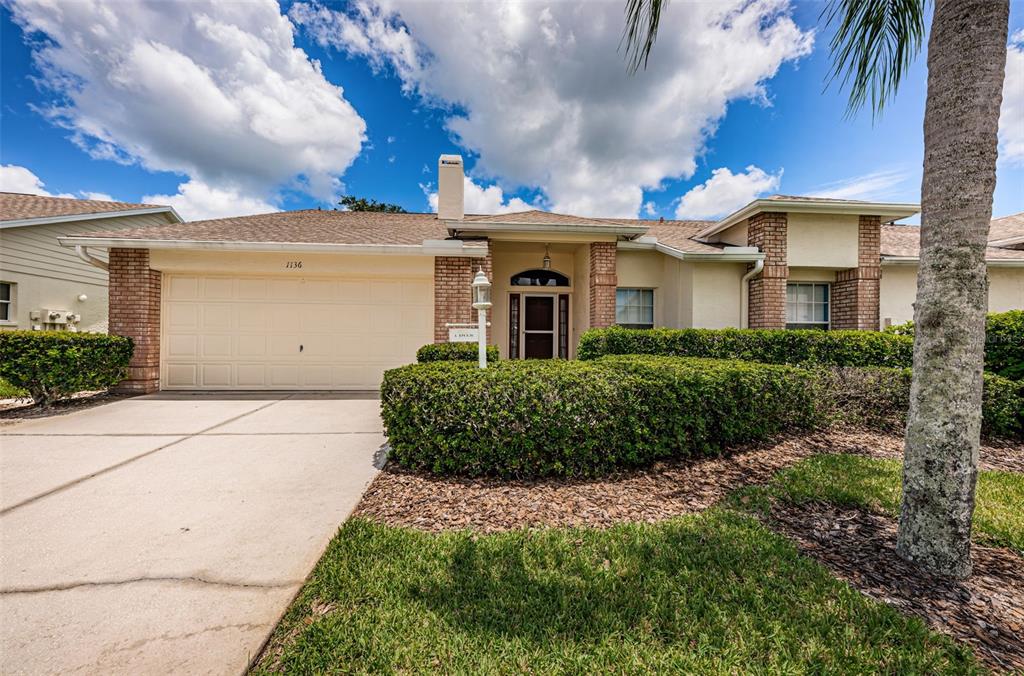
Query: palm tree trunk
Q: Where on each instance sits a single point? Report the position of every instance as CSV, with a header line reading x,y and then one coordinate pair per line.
x,y
966,64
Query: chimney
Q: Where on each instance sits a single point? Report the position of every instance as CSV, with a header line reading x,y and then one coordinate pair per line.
x,y
450,187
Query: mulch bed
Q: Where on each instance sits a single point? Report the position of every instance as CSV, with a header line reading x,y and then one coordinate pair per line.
x,y
400,497
985,611
17,410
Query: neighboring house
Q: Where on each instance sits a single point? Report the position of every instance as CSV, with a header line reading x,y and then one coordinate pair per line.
x,y
329,300
46,286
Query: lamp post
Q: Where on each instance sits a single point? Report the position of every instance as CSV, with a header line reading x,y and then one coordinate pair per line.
x,y
482,303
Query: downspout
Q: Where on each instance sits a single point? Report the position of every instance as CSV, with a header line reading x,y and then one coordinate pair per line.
x,y
84,254
758,267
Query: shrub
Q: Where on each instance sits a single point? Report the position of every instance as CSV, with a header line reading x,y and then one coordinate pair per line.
x,y
454,352
770,346
1004,342
51,365
572,418
879,398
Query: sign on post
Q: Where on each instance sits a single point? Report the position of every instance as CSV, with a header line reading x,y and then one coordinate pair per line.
x,y
463,335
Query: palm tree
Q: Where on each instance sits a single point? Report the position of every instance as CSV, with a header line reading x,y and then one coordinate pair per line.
x,y
875,43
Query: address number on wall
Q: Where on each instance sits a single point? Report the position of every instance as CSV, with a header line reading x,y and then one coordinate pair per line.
x,y
293,264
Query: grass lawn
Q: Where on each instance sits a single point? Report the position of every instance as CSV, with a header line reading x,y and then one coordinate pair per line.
x,y
712,592
8,391
873,484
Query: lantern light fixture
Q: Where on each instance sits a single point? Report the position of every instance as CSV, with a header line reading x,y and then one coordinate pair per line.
x,y
547,258
481,291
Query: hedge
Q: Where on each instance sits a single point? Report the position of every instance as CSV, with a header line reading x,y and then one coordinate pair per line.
x,y
454,352
770,346
52,365
1004,342
574,418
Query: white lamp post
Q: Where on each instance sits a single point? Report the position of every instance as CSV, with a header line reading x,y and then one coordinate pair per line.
x,y
482,303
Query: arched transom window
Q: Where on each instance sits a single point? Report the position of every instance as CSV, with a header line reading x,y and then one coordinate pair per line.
x,y
539,278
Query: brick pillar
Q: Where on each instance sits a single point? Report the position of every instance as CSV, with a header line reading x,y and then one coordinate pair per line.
x,y
767,292
856,290
134,295
453,295
603,281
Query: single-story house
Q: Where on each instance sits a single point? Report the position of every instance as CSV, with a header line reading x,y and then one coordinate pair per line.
x,y
330,299
46,286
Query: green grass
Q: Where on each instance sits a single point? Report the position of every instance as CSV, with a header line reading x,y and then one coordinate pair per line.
x,y
715,592
8,391
874,484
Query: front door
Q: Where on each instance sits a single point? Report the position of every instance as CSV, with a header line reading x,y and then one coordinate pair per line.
x,y
539,327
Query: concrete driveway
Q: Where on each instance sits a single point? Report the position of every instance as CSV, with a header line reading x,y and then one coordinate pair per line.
x,y
168,533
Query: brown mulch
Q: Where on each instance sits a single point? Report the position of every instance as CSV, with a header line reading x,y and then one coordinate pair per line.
x,y
985,611
16,410
400,497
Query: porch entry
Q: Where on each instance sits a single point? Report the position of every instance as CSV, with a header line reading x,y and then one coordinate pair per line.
x,y
538,326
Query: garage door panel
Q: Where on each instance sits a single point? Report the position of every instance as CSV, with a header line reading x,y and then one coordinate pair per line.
x,y
222,332
216,376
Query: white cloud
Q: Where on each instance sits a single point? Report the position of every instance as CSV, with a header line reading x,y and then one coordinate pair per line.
x,y
480,200
725,192
875,185
541,91
197,201
14,178
650,208
101,196
1011,117
213,90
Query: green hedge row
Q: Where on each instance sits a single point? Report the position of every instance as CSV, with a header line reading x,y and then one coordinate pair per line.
x,y
770,346
454,352
52,365
565,418
1004,342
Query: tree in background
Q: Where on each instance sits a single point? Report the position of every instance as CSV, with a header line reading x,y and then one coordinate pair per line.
x,y
875,43
354,203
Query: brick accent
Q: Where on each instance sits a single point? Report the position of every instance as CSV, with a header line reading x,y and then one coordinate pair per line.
x,y
135,312
453,296
768,231
856,290
603,282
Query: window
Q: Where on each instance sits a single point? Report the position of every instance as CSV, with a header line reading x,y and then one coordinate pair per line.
x,y
807,306
6,302
540,278
634,308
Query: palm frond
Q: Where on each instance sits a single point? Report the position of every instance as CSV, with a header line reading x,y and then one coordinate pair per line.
x,y
874,45
642,19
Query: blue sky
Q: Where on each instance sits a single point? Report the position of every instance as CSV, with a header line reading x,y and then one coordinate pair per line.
x,y
547,117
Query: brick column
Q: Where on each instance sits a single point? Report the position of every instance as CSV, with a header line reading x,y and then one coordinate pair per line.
x,y
134,295
856,290
453,295
603,282
766,308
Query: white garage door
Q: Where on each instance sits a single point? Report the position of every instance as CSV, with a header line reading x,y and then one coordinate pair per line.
x,y
289,333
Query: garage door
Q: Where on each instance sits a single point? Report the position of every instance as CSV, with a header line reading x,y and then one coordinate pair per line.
x,y
288,333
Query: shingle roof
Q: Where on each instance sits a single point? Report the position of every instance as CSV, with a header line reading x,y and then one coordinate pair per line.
x,y
310,226
538,217
1007,227
905,241
15,206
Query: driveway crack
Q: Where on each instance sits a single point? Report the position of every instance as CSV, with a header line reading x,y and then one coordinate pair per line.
x,y
187,579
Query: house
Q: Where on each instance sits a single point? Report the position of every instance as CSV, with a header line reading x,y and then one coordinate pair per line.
x,y
46,286
328,300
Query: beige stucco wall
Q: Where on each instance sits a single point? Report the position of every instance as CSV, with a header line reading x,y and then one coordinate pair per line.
x,y
735,235
804,274
263,263
716,295
822,240
899,289
645,270
49,276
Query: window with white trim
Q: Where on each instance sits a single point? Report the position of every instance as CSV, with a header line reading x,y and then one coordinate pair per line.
x,y
7,302
634,308
807,305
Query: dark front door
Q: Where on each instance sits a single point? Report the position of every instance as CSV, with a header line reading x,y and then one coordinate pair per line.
x,y
538,327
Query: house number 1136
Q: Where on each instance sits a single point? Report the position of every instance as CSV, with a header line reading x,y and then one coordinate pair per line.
x,y
293,264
